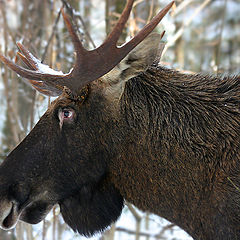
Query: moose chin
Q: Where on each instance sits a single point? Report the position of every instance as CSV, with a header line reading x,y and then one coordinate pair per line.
x,y
125,128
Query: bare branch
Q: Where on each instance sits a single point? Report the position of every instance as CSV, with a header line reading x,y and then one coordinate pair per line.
x,y
181,7
134,212
179,33
52,35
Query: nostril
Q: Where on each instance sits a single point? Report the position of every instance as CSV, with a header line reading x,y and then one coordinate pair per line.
x,y
8,214
5,209
7,221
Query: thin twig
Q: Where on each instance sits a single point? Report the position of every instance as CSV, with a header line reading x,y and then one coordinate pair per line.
x,y
230,180
150,12
12,114
137,2
74,17
180,7
51,36
164,229
138,219
134,212
218,46
132,232
146,234
86,30
179,33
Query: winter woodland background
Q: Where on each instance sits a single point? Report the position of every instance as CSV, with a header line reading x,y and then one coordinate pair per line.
x,y
201,35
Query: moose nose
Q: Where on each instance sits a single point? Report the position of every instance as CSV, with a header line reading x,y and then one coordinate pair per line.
x,y
8,214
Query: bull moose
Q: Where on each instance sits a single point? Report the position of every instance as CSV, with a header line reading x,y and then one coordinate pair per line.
x,y
124,127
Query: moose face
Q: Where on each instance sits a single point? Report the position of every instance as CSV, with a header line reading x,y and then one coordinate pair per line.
x,y
63,161
57,159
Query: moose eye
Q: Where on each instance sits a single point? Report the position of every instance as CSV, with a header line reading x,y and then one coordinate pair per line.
x,y
65,115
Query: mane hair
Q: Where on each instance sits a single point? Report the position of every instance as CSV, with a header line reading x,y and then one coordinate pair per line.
x,y
179,152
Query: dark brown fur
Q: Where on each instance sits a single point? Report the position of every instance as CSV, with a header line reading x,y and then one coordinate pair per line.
x,y
180,154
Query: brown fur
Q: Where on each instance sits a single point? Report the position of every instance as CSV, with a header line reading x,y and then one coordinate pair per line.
x,y
180,153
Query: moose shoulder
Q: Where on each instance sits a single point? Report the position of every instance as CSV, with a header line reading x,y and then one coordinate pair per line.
x,y
165,141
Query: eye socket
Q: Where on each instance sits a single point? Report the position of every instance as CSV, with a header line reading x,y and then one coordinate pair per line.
x,y
66,115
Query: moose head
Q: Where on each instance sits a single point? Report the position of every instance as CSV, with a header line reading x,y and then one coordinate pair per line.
x,y
66,158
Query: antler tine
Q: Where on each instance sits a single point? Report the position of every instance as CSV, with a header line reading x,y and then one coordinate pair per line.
x,y
39,85
25,60
30,74
46,90
27,57
80,50
117,30
19,70
36,78
146,30
31,62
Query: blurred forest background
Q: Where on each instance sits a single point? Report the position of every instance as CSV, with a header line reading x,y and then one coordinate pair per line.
x,y
201,35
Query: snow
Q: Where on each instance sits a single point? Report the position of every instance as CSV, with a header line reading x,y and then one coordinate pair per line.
x,y
43,68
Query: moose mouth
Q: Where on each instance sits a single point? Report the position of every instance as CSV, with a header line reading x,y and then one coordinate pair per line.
x,y
36,212
33,213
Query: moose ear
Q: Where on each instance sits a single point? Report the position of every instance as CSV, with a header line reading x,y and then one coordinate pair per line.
x,y
148,52
92,210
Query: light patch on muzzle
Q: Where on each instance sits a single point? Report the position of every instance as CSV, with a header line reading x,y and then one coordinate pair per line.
x,y
8,214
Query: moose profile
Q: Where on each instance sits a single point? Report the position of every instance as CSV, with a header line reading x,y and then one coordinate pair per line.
x,y
125,128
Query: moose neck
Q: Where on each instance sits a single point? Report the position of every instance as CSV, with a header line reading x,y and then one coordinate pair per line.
x,y
168,154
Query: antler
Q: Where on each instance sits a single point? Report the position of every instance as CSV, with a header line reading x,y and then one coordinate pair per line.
x,y
89,65
35,64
